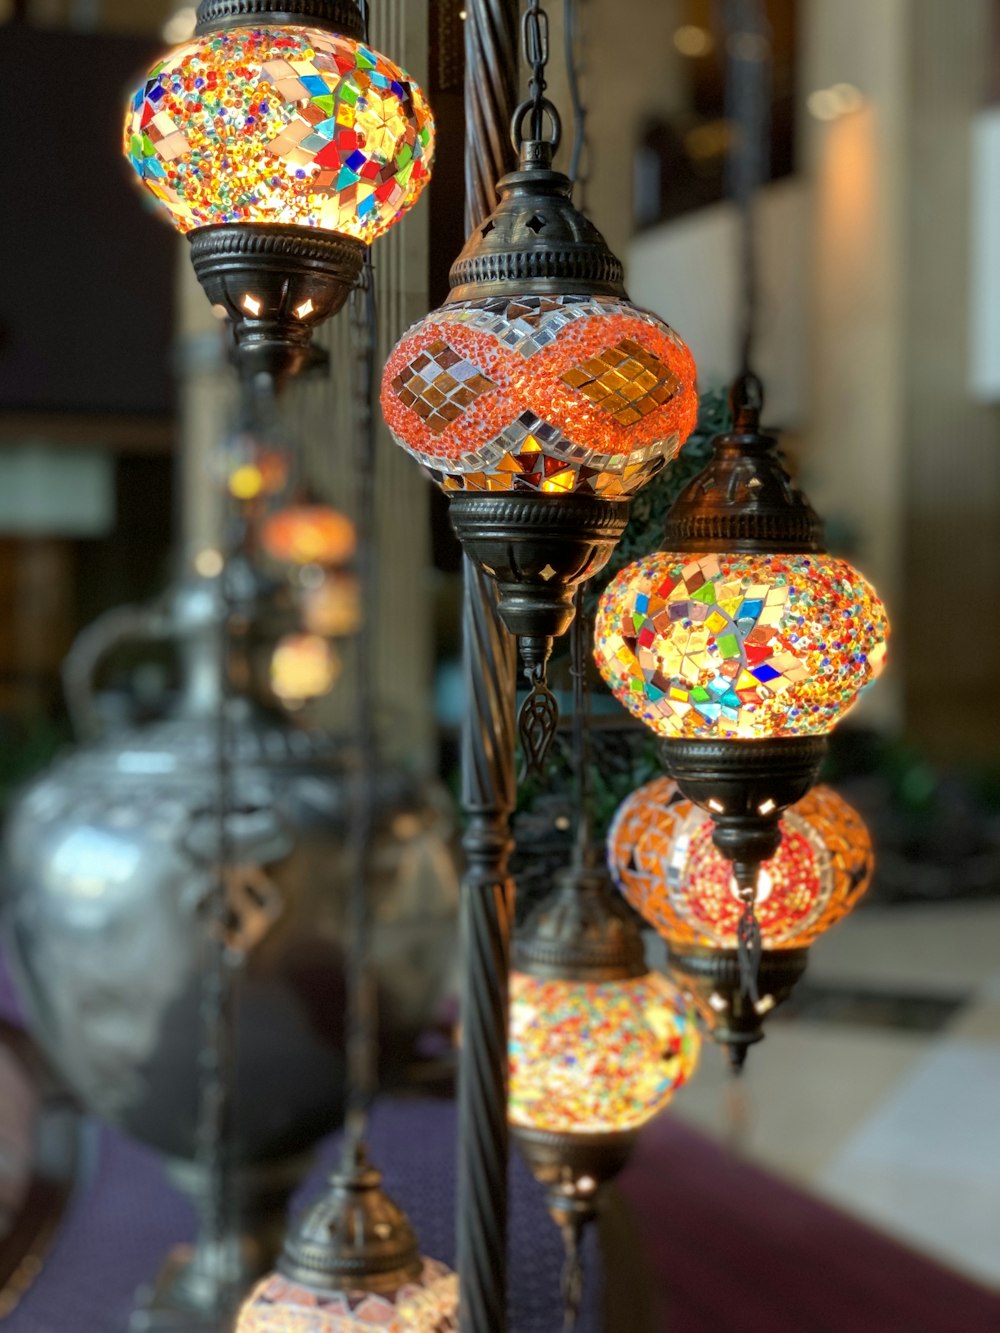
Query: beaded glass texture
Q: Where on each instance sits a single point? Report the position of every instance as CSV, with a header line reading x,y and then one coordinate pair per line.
x,y
541,393
739,646
282,125
661,855
597,1057
429,1305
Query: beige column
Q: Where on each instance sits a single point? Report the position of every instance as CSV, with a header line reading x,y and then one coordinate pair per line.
x,y
951,483
853,454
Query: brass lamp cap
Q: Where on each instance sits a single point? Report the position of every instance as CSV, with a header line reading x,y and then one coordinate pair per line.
x,y
354,1238
744,500
537,242
581,932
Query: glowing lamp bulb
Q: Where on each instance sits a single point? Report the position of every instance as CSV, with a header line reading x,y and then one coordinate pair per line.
x,y
429,1304
739,646
597,1057
285,125
541,394
661,855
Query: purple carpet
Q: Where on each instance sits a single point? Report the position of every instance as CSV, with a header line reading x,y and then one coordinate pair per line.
x,y
126,1217
737,1251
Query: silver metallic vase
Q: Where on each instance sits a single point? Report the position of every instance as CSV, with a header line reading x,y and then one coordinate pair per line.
x,y
109,858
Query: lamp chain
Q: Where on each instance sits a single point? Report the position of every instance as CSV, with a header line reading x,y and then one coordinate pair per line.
x,y
535,52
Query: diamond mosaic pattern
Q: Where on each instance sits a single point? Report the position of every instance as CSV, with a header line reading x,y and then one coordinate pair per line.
x,y
625,380
439,384
661,855
288,125
557,394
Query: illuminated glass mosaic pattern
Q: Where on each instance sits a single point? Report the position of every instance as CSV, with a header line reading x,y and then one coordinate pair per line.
x,y
284,125
661,855
741,646
427,1306
541,393
597,1057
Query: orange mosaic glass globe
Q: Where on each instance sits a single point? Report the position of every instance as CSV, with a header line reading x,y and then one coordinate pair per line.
x,y
739,646
550,394
662,857
597,1057
288,125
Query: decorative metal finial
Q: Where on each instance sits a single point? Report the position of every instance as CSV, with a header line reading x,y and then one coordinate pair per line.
x,y
355,1238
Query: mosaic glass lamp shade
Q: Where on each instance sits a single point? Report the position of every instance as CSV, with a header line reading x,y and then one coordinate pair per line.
x,y
539,398
596,1057
661,855
427,1304
552,394
598,1044
288,125
282,145
739,646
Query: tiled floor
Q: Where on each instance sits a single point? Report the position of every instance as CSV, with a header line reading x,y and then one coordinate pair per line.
x,y
898,1125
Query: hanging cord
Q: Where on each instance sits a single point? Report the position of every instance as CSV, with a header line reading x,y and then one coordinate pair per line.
x,y
362,1003
579,644
572,44
572,1280
748,105
748,100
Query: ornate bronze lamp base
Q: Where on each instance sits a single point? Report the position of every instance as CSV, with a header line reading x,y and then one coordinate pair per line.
x,y
276,284
714,979
746,786
539,548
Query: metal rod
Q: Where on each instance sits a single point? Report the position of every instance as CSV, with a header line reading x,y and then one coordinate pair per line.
x,y
488,779
362,1000
748,94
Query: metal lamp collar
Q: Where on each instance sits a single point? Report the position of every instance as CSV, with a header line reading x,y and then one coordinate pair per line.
x,y
355,1238
581,932
744,501
340,16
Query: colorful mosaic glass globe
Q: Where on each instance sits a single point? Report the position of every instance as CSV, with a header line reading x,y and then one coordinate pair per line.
x,y
739,646
552,394
288,125
596,1057
661,855
428,1305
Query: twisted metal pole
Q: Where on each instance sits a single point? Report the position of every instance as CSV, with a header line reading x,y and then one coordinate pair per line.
x,y
489,785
